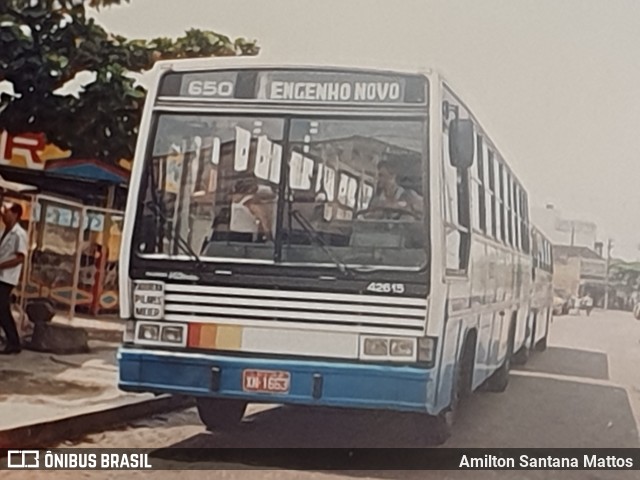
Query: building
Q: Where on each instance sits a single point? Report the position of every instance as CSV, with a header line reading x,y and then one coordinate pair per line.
x,y
563,231
579,270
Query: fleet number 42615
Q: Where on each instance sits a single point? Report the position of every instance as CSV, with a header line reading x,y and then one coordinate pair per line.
x,y
386,287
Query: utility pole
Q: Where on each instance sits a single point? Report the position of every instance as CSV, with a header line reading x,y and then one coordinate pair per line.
x,y
606,275
573,232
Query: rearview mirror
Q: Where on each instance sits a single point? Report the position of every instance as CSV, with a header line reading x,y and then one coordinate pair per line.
x,y
461,143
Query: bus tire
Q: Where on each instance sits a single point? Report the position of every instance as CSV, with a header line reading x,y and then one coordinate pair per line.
x,y
440,426
541,346
521,357
466,367
220,413
499,381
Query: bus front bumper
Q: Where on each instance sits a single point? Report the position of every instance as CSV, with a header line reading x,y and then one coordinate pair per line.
x,y
312,382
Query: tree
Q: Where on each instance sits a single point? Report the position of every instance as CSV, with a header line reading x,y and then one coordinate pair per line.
x,y
625,275
46,43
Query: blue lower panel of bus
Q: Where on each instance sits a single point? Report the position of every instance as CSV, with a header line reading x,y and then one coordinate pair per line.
x,y
312,382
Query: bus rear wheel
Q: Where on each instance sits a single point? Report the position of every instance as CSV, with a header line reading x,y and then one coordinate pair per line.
x,y
220,413
541,346
521,357
499,381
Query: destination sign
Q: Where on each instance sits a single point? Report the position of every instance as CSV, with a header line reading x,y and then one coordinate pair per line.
x,y
297,86
331,87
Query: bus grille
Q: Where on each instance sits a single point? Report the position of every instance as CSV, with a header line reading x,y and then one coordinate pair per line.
x,y
376,314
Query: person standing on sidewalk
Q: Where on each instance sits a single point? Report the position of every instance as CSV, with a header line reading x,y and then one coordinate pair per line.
x,y
588,303
13,250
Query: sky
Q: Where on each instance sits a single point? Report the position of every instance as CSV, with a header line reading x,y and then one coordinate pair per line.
x,y
555,83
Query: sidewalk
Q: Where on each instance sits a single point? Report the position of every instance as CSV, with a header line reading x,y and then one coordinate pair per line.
x,y
105,329
45,398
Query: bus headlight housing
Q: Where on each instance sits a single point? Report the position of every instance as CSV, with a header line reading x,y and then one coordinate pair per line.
x,y
392,349
159,333
172,334
402,347
149,332
375,346
148,300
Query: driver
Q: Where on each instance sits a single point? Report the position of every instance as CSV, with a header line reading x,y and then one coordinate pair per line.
x,y
391,200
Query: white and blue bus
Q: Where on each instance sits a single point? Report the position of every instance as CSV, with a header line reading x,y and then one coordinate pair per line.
x,y
333,237
541,306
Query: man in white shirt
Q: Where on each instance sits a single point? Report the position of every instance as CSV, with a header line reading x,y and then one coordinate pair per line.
x,y
392,202
13,250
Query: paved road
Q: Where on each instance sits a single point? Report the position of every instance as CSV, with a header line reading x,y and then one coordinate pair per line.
x,y
581,392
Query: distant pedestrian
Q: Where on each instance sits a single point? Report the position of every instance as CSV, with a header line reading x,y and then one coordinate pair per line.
x,y
13,250
574,306
587,302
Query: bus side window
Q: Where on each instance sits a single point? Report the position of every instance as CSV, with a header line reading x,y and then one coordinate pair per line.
x,y
501,195
492,196
524,223
480,205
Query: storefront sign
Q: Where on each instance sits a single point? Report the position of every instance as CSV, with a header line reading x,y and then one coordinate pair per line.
x,y
28,150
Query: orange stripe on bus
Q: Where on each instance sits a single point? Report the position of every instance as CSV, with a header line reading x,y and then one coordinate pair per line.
x,y
208,335
194,334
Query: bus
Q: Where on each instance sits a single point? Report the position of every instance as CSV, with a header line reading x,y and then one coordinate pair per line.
x,y
322,237
541,308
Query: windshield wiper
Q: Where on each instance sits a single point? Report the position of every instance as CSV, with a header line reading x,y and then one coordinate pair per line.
x,y
158,209
312,233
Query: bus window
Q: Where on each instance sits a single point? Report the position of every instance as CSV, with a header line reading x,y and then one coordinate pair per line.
x,y
492,196
516,215
508,207
500,185
210,186
481,200
357,221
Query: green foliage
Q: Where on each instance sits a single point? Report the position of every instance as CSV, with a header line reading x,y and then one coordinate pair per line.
x,y
625,275
46,43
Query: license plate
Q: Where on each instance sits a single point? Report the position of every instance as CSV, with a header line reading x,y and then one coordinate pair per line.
x,y
266,381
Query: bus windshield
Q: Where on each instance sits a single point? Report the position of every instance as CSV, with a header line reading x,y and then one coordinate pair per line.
x,y
289,189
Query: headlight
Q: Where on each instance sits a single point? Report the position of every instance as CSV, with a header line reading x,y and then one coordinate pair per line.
x,y
376,347
149,332
148,300
402,347
159,333
172,334
391,349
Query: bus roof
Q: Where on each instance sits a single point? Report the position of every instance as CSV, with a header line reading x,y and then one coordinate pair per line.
x,y
242,62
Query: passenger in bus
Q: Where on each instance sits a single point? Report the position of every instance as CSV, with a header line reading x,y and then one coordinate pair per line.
x,y
392,201
251,212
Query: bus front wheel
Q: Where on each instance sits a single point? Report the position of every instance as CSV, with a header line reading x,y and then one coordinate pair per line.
x,y
441,426
218,413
